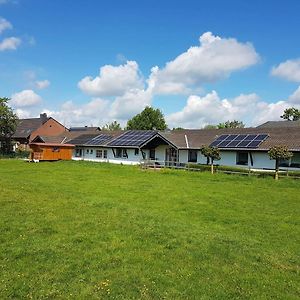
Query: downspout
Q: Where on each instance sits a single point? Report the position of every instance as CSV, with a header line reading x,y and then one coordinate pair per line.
x,y
251,159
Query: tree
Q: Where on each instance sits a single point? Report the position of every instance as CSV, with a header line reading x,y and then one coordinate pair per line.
x,y
112,126
231,124
178,128
148,119
210,126
278,153
8,125
291,114
211,154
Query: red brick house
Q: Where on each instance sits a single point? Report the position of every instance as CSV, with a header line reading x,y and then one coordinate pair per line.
x,y
28,129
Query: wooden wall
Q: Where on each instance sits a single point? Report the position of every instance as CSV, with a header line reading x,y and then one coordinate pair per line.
x,y
46,152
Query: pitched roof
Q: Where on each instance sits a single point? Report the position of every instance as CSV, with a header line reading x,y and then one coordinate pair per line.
x,y
85,128
195,139
26,126
280,124
190,139
101,137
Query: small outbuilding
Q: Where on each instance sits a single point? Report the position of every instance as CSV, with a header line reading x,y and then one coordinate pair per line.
x,y
51,151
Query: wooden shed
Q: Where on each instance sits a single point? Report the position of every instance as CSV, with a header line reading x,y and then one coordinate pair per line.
x,y
51,151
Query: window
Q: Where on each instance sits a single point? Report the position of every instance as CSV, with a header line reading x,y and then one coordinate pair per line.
x,y
152,154
284,162
119,152
55,149
192,156
242,158
78,152
99,153
104,153
136,151
87,151
295,162
91,151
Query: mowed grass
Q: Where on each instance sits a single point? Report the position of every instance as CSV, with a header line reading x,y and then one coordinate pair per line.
x,y
79,230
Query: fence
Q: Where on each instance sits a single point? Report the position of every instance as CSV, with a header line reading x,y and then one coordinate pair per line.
x,y
156,164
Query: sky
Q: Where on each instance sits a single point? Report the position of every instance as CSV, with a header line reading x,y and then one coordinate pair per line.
x,y
200,62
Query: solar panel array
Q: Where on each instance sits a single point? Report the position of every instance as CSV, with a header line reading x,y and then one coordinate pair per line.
x,y
133,138
99,140
82,139
239,140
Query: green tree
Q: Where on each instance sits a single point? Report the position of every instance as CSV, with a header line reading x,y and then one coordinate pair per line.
x,y
8,125
112,126
178,128
231,124
148,119
291,114
211,154
278,153
210,126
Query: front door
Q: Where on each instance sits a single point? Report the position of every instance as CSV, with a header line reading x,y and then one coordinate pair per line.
x,y
171,156
152,154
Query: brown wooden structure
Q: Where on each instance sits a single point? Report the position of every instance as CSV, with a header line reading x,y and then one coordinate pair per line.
x,y
50,151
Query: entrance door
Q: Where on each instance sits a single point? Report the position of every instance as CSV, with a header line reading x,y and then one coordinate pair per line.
x,y
152,154
171,156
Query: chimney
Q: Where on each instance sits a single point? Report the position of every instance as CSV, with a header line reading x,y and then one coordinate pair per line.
x,y
43,117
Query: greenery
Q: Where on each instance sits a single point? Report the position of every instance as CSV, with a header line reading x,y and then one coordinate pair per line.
x,y
211,154
291,114
227,124
148,119
8,125
80,230
231,124
280,152
112,126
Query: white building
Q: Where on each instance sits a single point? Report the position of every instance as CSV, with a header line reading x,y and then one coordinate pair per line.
x,y
249,146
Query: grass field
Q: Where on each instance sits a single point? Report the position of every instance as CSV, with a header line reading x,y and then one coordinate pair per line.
x,y
78,230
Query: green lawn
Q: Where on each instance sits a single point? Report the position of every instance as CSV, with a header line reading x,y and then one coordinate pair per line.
x,y
78,230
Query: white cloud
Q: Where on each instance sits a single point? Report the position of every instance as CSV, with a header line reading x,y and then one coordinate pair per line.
x,y
10,43
129,104
4,24
113,80
22,113
214,59
295,97
42,84
25,98
93,113
288,70
211,109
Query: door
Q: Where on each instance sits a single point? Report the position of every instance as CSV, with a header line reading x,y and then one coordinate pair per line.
x,y
171,156
152,154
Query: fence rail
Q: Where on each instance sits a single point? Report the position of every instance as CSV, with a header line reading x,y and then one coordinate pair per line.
x,y
156,164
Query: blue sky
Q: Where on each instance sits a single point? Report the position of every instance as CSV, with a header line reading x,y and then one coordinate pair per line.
x,y
246,66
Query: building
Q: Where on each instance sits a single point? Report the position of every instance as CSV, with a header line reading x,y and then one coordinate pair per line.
x,y
244,147
28,129
50,151
50,148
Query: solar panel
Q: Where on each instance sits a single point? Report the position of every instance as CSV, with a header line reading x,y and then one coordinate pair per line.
x,y
133,138
82,139
239,140
99,140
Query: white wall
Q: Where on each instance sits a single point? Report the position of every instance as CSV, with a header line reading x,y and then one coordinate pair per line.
x,y
228,158
87,155
160,152
261,160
